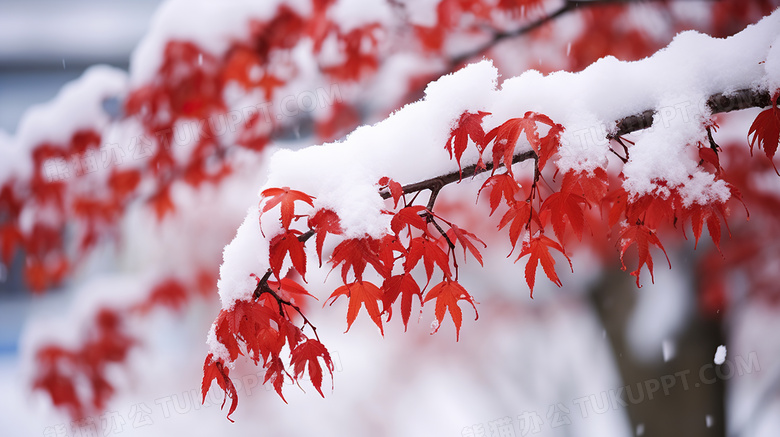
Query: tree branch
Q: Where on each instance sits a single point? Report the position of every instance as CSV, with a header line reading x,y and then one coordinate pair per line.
x,y
717,103
566,7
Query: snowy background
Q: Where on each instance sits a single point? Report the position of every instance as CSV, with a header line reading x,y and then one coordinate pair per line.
x,y
546,366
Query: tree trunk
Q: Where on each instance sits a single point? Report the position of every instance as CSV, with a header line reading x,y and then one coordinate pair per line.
x,y
680,397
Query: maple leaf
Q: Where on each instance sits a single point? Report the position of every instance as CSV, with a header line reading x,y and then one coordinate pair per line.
x,y
287,198
360,293
288,288
162,203
652,210
355,253
402,285
710,156
409,216
591,186
225,333
430,252
469,125
308,354
250,321
765,131
501,186
447,294
699,214
323,222
464,237
283,244
214,369
617,201
395,189
547,145
275,373
519,214
566,204
506,136
538,248
643,236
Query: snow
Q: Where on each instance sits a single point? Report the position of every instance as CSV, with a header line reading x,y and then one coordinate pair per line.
x,y
213,26
342,175
421,12
408,145
78,105
353,14
720,355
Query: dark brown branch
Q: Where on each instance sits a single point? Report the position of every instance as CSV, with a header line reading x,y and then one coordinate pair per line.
x,y
435,184
718,103
263,287
566,7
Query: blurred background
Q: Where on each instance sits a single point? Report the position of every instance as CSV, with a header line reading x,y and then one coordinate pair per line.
x,y
562,364
44,45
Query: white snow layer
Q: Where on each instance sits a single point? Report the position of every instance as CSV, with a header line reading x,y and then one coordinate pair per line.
x,y
408,146
78,106
720,355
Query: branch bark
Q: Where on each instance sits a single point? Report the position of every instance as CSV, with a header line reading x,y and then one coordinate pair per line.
x,y
717,103
566,7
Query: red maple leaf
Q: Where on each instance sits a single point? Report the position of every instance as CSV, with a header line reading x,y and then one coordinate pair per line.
x,y
539,250
699,214
464,237
355,253
468,125
283,244
287,198
288,289
308,354
409,216
360,293
592,186
643,236
766,131
547,145
430,252
324,222
710,156
275,373
506,136
566,204
519,214
214,369
447,294
402,285
250,321
395,189
501,186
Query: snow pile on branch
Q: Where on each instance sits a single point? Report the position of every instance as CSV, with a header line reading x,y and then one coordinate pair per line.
x,y
408,146
78,106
